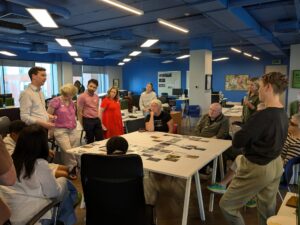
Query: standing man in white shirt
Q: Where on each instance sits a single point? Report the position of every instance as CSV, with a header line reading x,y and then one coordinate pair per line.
x,y
146,98
32,101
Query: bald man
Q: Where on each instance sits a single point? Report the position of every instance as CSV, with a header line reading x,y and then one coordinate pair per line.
x,y
213,124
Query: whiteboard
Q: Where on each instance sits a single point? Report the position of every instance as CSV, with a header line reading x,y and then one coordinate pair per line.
x,y
167,80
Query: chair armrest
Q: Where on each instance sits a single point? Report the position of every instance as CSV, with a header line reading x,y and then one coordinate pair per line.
x,y
35,218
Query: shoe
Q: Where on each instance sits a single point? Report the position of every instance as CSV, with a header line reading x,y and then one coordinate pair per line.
x,y
251,203
217,188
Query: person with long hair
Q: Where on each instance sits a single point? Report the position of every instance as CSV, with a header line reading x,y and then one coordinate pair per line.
x,y
110,114
146,98
35,178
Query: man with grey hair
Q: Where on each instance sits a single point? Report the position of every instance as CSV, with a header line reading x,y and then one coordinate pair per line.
x,y
213,124
158,120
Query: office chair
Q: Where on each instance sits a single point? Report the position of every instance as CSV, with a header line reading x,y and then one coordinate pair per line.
x,y
4,125
134,125
113,190
287,174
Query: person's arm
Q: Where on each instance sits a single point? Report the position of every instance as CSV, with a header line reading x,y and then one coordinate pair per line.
x,y
50,188
7,169
199,126
4,212
101,111
141,103
80,105
251,130
170,125
25,106
150,122
224,130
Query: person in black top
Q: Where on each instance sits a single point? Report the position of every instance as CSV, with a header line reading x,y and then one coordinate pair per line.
x,y
158,120
260,167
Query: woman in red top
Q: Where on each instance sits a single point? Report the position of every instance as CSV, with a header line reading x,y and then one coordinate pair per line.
x,y
110,114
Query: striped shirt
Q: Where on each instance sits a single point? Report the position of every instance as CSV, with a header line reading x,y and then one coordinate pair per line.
x,y
291,148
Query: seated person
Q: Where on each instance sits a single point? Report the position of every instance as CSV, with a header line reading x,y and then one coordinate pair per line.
x,y
10,141
213,124
158,120
35,179
14,130
7,178
116,145
291,148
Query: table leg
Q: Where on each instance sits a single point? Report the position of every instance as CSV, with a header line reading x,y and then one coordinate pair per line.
x,y
199,196
213,180
221,166
186,201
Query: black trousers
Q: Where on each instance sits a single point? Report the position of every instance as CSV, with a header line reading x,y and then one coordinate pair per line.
x,y
93,129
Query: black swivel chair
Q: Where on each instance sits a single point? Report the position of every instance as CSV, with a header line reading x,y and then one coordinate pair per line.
x,y
4,125
113,190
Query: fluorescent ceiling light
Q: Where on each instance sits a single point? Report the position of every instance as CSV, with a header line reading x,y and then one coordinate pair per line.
x,y
167,61
78,59
63,42
220,59
43,17
73,53
7,53
121,64
126,59
256,58
247,54
172,25
183,57
236,50
149,43
135,53
124,6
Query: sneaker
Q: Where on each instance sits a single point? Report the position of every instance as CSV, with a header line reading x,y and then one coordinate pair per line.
x,y
251,203
217,188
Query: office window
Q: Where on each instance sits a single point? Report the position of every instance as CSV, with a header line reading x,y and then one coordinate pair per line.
x,y
16,80
102,80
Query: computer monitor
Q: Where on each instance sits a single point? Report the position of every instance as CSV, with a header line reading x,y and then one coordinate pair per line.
x,y
4,96
176,91
186,92
123,93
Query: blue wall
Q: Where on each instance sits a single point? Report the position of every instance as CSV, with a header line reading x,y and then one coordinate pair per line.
x,y
140,71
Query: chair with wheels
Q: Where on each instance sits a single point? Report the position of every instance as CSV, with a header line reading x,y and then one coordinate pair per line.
x,y
113,190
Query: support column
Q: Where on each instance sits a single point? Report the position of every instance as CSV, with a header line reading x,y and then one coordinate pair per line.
x,y
200,65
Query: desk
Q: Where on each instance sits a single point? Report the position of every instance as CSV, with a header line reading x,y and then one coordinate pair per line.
x,y
286,215
190,160
234,114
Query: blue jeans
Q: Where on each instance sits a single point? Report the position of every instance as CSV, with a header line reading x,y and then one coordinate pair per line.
x,y
65,213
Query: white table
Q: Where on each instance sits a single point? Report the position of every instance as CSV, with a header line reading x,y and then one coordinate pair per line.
x,y
186,167
285,212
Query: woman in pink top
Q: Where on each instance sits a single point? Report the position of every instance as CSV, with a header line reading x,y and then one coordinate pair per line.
x,y
65,132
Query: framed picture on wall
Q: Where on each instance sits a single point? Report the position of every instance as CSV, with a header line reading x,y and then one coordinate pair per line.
x,y
296,79
236,82
208,82
116,83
